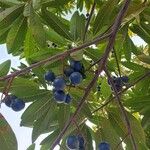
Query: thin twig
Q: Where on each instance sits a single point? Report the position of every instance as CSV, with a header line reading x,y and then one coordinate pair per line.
x,y
121,108
88,21
121,141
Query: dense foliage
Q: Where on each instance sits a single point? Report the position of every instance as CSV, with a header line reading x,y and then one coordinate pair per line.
x,y
61,42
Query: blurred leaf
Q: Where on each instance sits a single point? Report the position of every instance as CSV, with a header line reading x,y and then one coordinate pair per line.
x,y
47,142
63,115
3,35
9,15
103,15
30,46
118,123
37,29
140,32
135,8
56,24
144,58
35,110
105,88
7,137
5,67
54,36
42,124
16,35
27,89
10,2
127,48
77,26
31,147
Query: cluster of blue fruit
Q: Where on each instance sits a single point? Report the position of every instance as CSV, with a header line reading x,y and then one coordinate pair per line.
x,y
119,82
15,103
75,142
75,73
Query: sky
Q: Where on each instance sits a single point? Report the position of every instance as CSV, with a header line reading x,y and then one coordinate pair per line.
x,y
23,134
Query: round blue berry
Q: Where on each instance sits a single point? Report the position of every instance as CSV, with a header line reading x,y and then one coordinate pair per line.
x,y
75,78
9,99
103,146
118,81
59,96
76,65
49,76
59,83
17,104
68,71
72,142
67,99
81,141
125,79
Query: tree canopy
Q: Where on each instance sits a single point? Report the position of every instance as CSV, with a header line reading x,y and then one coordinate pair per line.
x,y
79,64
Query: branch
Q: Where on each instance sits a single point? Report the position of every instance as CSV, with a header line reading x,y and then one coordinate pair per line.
x,y
55,57
101,66
121,108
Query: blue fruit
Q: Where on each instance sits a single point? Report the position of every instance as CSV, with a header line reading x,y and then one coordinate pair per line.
x,y
125,79
17,104
75,78
59,83
81,141
59,96
72,142
49,76
67,99
9,99
103,146
76,65
68,71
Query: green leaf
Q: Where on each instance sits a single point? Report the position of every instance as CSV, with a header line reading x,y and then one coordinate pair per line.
x,y
105,88
35,111
56,24
54,36
4,68
135,8
63,115
127,48
103,15
140,32
47,142
3,35
77,26
37,29
144,58
31,147
10,2
134,66
27,89
104,128
16,35
118,123
42,124
9,15
7,137
30,46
